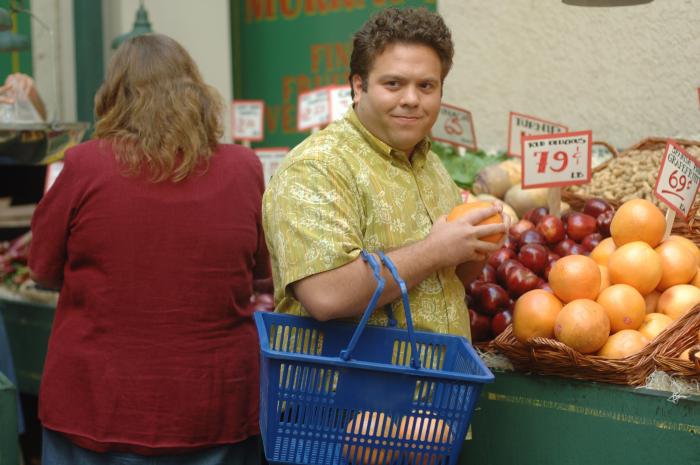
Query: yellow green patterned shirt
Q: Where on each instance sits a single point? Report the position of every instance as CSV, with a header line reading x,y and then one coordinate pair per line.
x,y
343,190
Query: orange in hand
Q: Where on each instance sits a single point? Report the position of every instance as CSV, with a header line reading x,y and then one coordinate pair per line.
x,y
464,208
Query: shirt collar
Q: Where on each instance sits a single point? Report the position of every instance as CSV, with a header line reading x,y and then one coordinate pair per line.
x,y
384,149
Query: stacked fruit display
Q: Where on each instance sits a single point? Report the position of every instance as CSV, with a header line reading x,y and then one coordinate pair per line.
x,y
615,301
524,262
13,261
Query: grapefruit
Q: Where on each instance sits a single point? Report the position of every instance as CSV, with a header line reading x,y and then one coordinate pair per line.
x,y
372,447
688,243
654,324
636,264
582,325
461,210
624,305
602,251
678,264
638,220
677,300
534,315
575,277
623,344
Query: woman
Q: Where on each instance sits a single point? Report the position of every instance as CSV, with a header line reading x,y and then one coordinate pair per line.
x,y
153,233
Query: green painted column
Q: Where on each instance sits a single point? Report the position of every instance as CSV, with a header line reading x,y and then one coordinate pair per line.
x,y
17,62
89,59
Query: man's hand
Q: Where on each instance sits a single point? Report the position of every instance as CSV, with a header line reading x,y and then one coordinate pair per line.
x,y
459,241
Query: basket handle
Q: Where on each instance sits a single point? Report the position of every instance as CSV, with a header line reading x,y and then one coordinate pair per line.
x,y
415,363
369,259
347,353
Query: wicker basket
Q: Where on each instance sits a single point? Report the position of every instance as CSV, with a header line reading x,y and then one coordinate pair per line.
x,y
678,337
551,357
689,229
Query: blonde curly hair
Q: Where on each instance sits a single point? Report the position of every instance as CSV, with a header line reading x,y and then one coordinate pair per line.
x,y
156,110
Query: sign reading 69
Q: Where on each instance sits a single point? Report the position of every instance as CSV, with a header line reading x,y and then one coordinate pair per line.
x,y
679,176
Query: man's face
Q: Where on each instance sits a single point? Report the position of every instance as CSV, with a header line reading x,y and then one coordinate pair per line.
x,y
402,99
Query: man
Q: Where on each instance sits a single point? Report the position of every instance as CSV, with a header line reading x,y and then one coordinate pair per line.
x,y
371,182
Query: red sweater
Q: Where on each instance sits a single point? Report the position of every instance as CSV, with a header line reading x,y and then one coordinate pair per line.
x,y
153,348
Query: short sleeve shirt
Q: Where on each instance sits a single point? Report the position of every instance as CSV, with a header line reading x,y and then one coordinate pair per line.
x,y
343,190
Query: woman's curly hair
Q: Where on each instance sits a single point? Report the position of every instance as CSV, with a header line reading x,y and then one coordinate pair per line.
x,y
399,25
156,110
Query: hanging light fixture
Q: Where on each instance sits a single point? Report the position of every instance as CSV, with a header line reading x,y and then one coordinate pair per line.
x,y
5,20
141,26
11,41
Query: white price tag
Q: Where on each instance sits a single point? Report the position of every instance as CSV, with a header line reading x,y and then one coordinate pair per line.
x,y
556,160
520,125
52,172
271,158
313,109
454,126
341,100
247,118
679,175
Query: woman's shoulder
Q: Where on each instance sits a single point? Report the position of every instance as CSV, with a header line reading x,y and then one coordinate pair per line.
x,y
237,156
89,153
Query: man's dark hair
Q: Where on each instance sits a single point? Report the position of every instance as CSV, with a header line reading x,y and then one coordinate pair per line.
x,y
399,25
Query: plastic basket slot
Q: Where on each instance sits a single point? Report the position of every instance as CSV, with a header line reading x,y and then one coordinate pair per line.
x,y
431,356
379,438
424,392
293,339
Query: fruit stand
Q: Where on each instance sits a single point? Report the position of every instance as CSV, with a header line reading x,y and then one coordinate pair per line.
x,y
532,420
9,445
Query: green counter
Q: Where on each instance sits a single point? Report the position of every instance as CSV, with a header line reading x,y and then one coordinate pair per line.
x,y
9,441
541,420
28,328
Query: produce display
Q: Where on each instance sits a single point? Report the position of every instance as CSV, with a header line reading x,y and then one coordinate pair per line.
x,y
526,260
13,261
464,168
628,177
612,303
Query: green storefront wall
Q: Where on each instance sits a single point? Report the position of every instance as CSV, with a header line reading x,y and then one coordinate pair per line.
x,y
284,47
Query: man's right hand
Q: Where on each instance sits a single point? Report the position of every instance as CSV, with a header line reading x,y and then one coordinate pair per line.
x,y
458,241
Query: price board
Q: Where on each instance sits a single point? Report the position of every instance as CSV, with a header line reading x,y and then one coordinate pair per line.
x,y
52,172
520,125
247,118
271,158
341,100
556,160
455,126
313,109
679,176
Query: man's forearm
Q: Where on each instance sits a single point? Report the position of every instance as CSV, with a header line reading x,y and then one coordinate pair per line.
x,y
346,291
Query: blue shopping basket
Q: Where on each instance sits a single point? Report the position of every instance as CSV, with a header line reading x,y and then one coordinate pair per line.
x,y
337,393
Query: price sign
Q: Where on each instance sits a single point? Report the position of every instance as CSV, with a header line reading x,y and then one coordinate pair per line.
x,y
313,109
679,175
341,100
247,118
556,160
271,158
52,172
455,126
520,125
